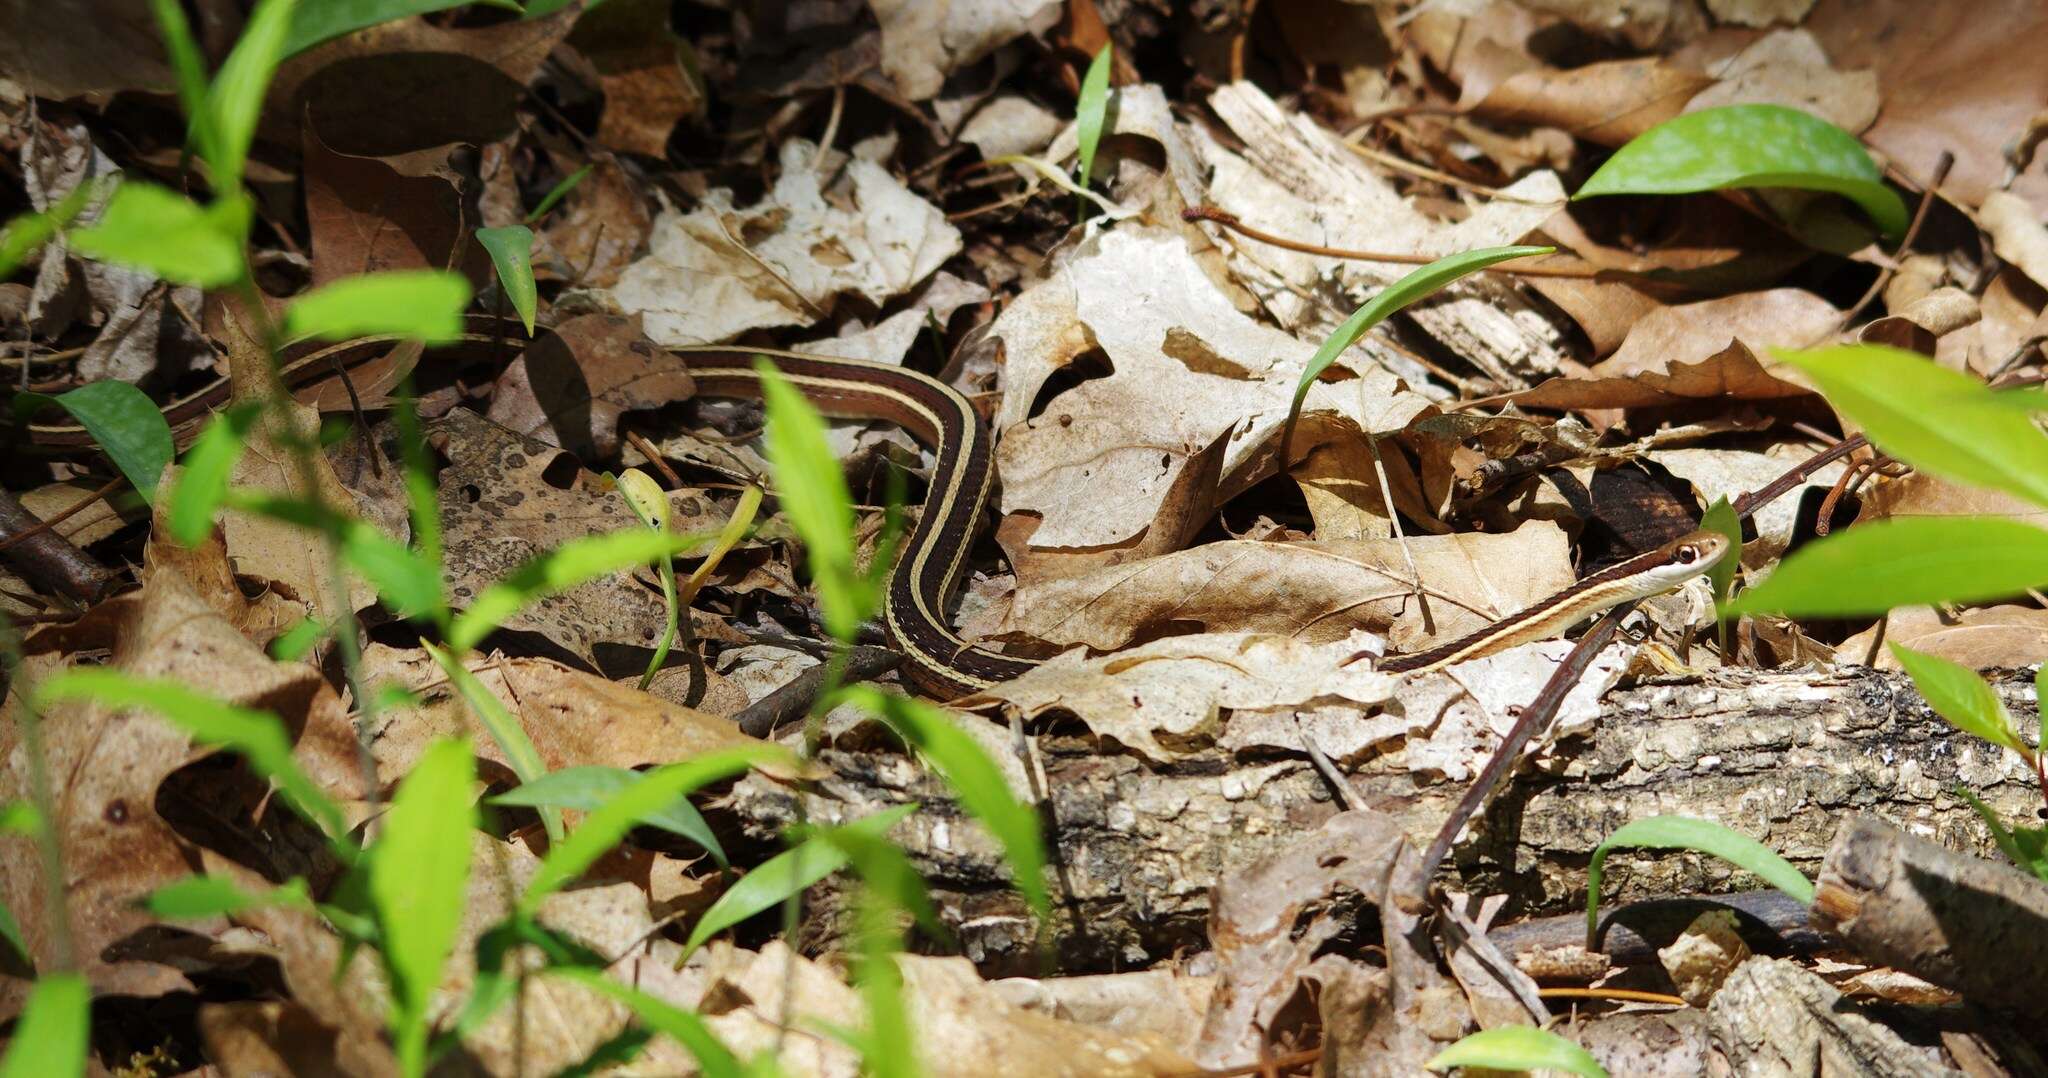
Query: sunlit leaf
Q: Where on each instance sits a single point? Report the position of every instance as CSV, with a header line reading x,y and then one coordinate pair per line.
x,y
505,730
2026,847
1903,561
653,792
234,103
156,229
1091,109
422,304
1749,146
975,780
1940,421
814,497
419,870
1704,836
316,21
25,233
50,1036
298,641
408,583
511,249
203,476
1720,518
711,1055
589,787
196,897
573,563
1518,1048
125,423
787,873
1957,694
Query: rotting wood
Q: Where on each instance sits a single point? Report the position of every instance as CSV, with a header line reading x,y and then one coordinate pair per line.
x,y
1779,756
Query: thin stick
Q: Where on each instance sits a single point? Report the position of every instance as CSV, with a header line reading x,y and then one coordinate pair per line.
x,y
1884,276
1230,221
1625,995
67,514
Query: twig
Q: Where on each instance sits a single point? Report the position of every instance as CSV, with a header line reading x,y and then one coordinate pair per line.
x,y
1623,995
49,558
1884,275
654,458
69,511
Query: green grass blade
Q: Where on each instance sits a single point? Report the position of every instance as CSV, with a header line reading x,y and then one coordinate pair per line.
x,y
125,423
504,728
1957,694
1749,146
558,192
651,793
975,780
1421,284
589,787
511,250
1518,1048
159,230
50,1036
648,502
1720,518
2026,847
711,1054
196,897
889,1047
787,873
234,103
189,65
1940,421
419,872
1905,561
1704,836
422,304
203,478
316,21
814,496
1091,110
567,566
258,736
31,230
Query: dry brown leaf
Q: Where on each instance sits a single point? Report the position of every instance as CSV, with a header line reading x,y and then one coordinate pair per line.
x,y
2016,233
1981,638
366,216
206,569
2011,317
1167,1001
569,388
595,231
1313,592
61,49
1605,103
1924,495
923,41
1731,473
1759,12
1701,351
98,520
1789,68
639,64
573,718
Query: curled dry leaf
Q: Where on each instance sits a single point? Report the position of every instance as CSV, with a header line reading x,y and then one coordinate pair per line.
x,y
569,388
2016,233
720,270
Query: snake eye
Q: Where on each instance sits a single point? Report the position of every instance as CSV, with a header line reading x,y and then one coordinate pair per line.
x,y
1688,554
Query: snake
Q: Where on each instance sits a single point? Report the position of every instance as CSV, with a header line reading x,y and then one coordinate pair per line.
x,y
938,660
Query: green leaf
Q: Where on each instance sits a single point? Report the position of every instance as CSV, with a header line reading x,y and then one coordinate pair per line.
x,y
1705,836
785,874
408,583
159,230
504,727
647,500
1957,694
589,787
511,249
1749,146
889,1046
196,897
2041,712
321,20
10,934
1940,421
1518,1048
296,642
419,871
189,64
1905,561
558,570
813,493
258,736
888,875
2027,847
125,423
557,192
19,818
713,1058
203,478
422,304
975,780
652,793
1420,284
1091,110
50,1036
1720,518
31,230
235,101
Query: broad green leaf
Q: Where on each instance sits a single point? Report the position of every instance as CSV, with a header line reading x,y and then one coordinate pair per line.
x,y
1704,836
50,1036
419,871
2027,847
713,1058
316,21
234,103
975,780
203,477
297,642
125,423
558,570
558,192
408,583
511,249
1422,283
159,230
19,818
1904,561
422,304
787,873
1091,110
504,727
1957,694
1749,146
31,230
258,736
589,787
654,792
196,897
1518,1048
1720,518
813,493
1940,421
